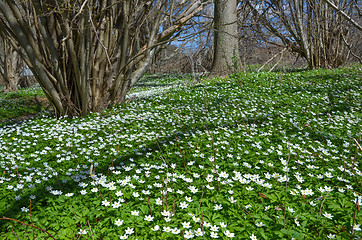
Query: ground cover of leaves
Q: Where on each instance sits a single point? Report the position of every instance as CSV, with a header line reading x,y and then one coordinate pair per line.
x,y
254,156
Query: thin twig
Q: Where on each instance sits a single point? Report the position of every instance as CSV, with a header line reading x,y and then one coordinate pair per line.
x,y
100,42
202,225
359,146
325,197
90,228
71,208
354,217
73,19
162,156
281,52
100,192
149,205
247,213
281,58
31,219
25,224
14,233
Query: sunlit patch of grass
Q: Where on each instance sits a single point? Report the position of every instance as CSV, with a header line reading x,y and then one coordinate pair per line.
x,y
22,103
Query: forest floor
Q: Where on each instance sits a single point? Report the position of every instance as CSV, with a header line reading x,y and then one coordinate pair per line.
x,y
253,156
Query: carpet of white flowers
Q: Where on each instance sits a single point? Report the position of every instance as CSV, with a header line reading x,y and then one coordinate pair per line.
x,y
255,156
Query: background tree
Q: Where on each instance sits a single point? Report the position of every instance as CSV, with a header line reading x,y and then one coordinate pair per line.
x,y
87,55
226,45
346,16
10,67
311,29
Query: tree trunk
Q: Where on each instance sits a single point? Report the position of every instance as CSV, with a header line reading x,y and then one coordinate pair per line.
x,y
226,47
10,68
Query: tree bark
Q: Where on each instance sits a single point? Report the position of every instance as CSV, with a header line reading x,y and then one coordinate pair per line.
x,y
226,47
10,68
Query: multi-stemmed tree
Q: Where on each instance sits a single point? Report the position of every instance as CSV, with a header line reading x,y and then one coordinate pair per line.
x,y
86,55
314,29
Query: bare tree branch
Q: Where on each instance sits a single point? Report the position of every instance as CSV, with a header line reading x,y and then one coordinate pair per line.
x,y
342,13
